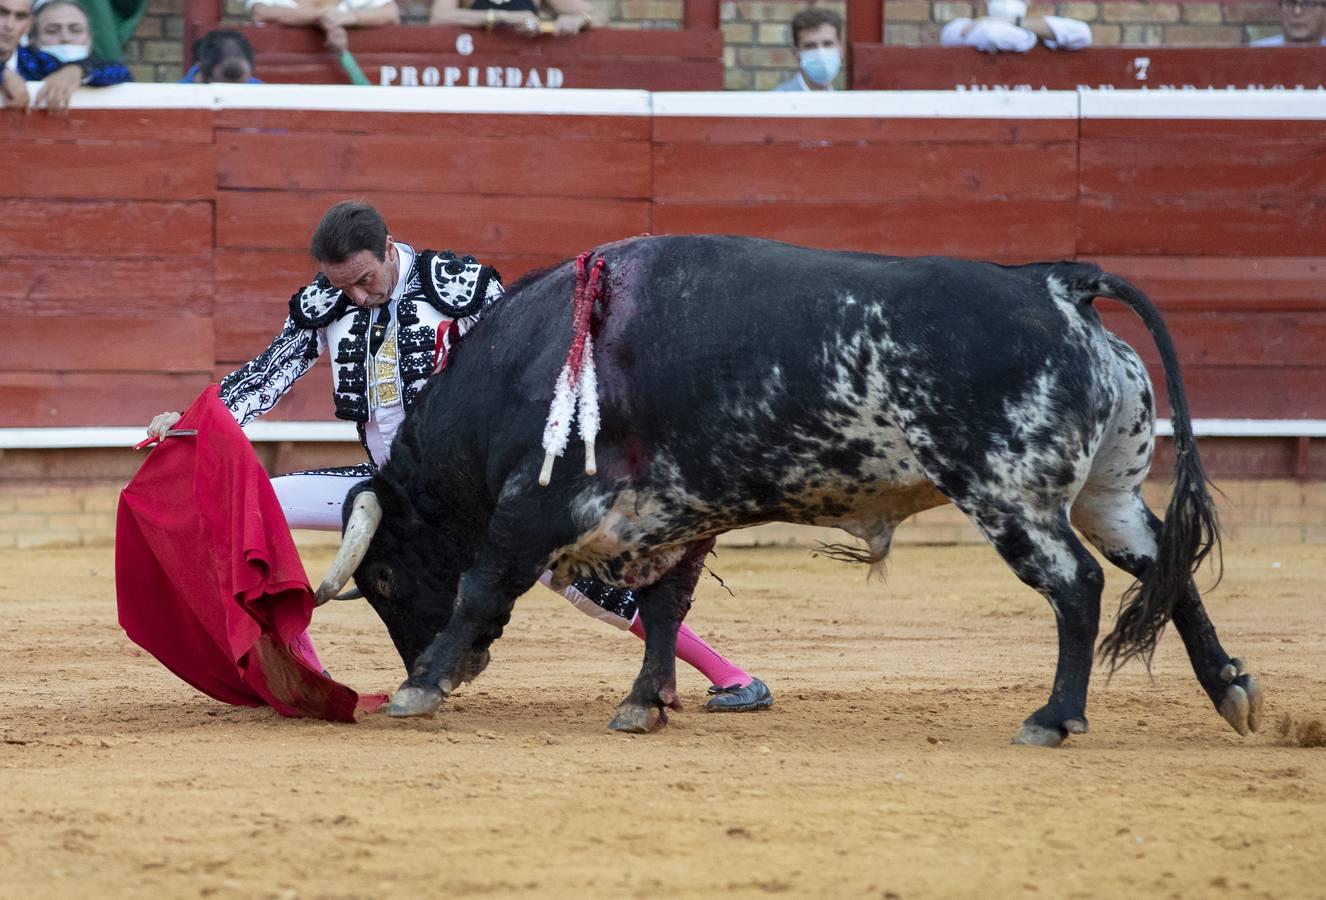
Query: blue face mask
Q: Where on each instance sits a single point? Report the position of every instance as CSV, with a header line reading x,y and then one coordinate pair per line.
x,y
821,64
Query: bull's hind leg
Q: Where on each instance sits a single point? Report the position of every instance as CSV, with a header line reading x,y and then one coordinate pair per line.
x,y
1121,526
1047,556
663,606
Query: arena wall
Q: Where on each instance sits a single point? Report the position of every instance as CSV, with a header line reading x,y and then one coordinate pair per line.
x,y
150,240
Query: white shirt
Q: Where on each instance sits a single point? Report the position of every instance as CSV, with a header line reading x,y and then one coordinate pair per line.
x,y
384,419
995,36
1275,40
343,6
798,83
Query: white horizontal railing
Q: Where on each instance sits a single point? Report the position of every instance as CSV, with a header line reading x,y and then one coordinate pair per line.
x,y
1084,103
333,432
83,438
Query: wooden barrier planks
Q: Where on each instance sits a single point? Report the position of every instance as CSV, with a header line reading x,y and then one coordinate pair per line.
x,y
104,228
824,172
1161,183
876,67
914,175
110,171
554,226
1028,230
185,248
131,286
101,342
445,57
455,163
1259,283
100,398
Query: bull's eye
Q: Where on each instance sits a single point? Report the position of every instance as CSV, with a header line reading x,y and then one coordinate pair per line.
x,y
382,583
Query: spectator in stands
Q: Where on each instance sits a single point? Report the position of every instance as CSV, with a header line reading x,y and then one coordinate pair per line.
x,y
59,79
61,28
109,23
520,16
221,57
1006,28
1303,23
817,36
332,17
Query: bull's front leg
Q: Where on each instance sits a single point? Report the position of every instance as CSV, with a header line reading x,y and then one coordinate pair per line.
x,y
460,651
663,606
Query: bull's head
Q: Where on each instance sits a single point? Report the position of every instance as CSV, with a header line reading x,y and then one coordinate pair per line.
x,y
403,567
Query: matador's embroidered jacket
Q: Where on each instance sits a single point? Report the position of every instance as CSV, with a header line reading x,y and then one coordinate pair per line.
x,y
443,297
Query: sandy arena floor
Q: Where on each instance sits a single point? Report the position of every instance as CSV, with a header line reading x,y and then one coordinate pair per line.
x,y
884,769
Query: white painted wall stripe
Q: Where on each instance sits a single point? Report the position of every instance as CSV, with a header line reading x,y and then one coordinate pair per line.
x,y
1091,104
85,438
336,432
872,104
348,98
1205,104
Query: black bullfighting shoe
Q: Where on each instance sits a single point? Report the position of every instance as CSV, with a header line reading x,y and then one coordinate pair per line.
x,y
740,699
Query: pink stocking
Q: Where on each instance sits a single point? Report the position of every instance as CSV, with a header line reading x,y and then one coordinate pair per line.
x,y
302,647
692,649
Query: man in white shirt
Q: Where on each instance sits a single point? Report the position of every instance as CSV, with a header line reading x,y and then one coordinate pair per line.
x,y
1006,28
817,35
1303,23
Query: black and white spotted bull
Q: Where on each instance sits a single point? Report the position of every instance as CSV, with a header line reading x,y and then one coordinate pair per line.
x,y
745,381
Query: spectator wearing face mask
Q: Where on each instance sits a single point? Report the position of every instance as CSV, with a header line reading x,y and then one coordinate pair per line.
x,y
59,79
62,29
817,36
1303,23
221,57
112,23
1006,28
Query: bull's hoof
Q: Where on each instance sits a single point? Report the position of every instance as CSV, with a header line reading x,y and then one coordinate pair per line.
x,y
638,719
414,701
1034,735
1241,705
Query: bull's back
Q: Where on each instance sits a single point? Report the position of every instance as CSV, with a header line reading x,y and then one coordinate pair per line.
x,y
763,355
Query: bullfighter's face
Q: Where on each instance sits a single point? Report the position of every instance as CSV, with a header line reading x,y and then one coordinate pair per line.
x,y
365,279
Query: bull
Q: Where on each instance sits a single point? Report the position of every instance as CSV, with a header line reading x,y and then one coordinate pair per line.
x,y
745,381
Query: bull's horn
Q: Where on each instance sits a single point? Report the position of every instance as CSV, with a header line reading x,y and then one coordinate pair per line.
x,y
364,518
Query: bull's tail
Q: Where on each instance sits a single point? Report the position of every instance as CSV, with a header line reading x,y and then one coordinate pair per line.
x,y
1191,530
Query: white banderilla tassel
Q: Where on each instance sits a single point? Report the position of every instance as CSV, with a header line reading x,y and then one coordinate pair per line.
x,y
558,427
588,406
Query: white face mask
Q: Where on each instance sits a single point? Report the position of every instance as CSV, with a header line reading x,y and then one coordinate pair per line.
x,y
67,53
1010,11
821,64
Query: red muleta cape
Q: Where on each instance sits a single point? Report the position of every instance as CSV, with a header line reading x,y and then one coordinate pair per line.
x,y
208,579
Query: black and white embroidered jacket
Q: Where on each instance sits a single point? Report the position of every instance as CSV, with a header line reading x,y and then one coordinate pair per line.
x,y
443,297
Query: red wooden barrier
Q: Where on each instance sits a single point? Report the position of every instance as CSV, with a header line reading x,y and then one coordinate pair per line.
x,y
446,56
148,250
879,68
